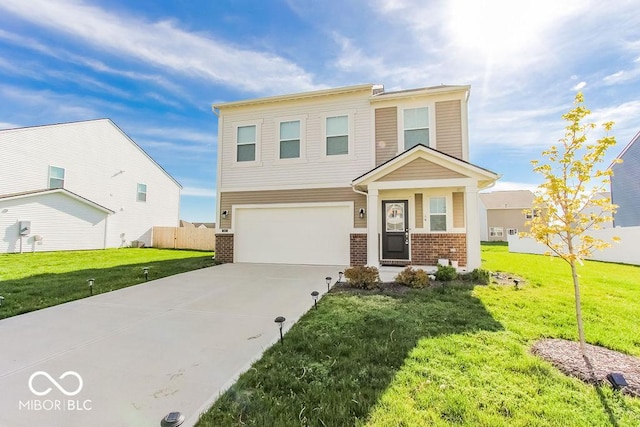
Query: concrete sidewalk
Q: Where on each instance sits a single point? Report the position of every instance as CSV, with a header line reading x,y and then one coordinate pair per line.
x,y
167,345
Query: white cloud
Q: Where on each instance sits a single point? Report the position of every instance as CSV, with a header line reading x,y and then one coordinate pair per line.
x,y
198,192
166,46
579,86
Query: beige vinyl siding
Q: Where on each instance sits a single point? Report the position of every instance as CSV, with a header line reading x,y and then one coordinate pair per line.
x,y
419,210
449,127
458,210
313,167
420,169
386,134
228,199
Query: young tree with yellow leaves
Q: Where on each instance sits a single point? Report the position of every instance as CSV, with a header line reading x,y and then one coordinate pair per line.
x,y
560,214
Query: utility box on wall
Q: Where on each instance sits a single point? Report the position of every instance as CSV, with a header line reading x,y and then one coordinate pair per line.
x,y
24,227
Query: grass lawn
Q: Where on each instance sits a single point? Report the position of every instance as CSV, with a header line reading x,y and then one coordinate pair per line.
x,y
32,281
453,357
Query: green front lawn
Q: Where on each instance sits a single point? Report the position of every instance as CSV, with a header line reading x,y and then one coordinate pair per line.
x,y
453,357
32,281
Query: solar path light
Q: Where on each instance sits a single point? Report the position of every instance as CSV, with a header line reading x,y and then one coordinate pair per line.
x,y
617,380
91,282
145,270
280,320
314,295
172,419
328,279
340,274
1,299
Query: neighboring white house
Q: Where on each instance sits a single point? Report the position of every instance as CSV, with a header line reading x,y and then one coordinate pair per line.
x,y
625,185
81,185
349,176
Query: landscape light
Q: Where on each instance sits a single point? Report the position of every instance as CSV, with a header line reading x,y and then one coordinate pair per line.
x,y
280,320
314,295
328,279
340,274
1,299
91,282
617,380
517,282
146,273
172,419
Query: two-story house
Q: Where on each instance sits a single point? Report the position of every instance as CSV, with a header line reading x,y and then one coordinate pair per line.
x,y
349,176
625,185
81,185
502,214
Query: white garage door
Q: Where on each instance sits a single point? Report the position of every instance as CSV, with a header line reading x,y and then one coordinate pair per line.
x,y
309,234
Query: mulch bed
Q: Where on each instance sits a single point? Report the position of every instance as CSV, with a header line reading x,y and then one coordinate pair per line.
x,y
391,288
567,357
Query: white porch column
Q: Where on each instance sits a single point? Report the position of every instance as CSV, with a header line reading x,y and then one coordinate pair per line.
x,y
471,215
373,211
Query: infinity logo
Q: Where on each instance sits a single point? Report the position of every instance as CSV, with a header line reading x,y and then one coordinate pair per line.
x,y
55,383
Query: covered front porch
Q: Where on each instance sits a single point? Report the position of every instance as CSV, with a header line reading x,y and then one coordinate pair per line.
x,y
422,209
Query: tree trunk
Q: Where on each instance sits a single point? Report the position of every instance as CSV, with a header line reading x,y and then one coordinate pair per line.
x,y
576,289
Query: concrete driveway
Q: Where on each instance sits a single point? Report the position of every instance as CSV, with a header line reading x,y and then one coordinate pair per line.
x,y
132,356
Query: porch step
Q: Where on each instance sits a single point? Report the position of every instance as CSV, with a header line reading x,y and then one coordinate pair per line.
x,y
395,262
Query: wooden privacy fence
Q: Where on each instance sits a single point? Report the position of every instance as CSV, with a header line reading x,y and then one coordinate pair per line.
x,y
203,239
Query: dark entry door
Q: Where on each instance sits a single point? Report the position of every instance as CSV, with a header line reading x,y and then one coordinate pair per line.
x,y
395,229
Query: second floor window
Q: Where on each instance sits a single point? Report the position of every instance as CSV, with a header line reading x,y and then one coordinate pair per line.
x,y
416,127
246,143
337,135
290,140
142,193
56,177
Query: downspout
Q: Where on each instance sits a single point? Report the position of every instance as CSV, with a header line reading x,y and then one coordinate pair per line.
x,y
106,223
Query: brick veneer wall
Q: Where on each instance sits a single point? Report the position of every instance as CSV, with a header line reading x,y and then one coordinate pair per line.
x,y
426,249
224,247
358,249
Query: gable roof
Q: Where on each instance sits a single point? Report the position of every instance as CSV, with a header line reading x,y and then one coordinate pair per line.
x,y
429,154
27,194
89,122
513,199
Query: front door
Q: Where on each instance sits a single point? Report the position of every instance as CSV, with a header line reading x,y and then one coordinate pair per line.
x,y
395,229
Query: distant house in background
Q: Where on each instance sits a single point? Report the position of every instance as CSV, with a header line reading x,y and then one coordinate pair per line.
x,y
187,224
81,185
597,211
625,185
501,213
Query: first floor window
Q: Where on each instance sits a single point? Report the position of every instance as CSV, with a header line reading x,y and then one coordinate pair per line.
x,y
56,177
290,140
337,135
142,193
438,214
246,143
416,127
496,231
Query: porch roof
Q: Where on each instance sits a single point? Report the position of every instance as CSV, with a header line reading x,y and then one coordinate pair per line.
x,y
434,164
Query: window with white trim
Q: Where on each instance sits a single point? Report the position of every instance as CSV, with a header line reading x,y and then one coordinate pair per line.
x,y
337,135
142,193
437,214
496,231
416,127
246,141
290,139
56,177
512,231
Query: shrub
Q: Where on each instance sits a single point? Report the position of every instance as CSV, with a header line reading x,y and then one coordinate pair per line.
x,y
477,276
413,278
446,273
362,277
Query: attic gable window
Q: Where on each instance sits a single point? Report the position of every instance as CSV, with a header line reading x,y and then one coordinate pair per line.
x,y
142,193
56,177
246,143
416,127
337,131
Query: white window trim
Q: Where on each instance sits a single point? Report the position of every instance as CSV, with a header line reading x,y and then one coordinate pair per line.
x,y
352,136
495,233
432,122
426,205
303,139
64,176
257,161
138,192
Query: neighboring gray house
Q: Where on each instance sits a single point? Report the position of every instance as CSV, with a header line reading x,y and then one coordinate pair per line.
x,y
625,185
501,213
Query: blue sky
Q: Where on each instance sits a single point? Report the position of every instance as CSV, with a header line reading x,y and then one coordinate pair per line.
x,y
155,67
